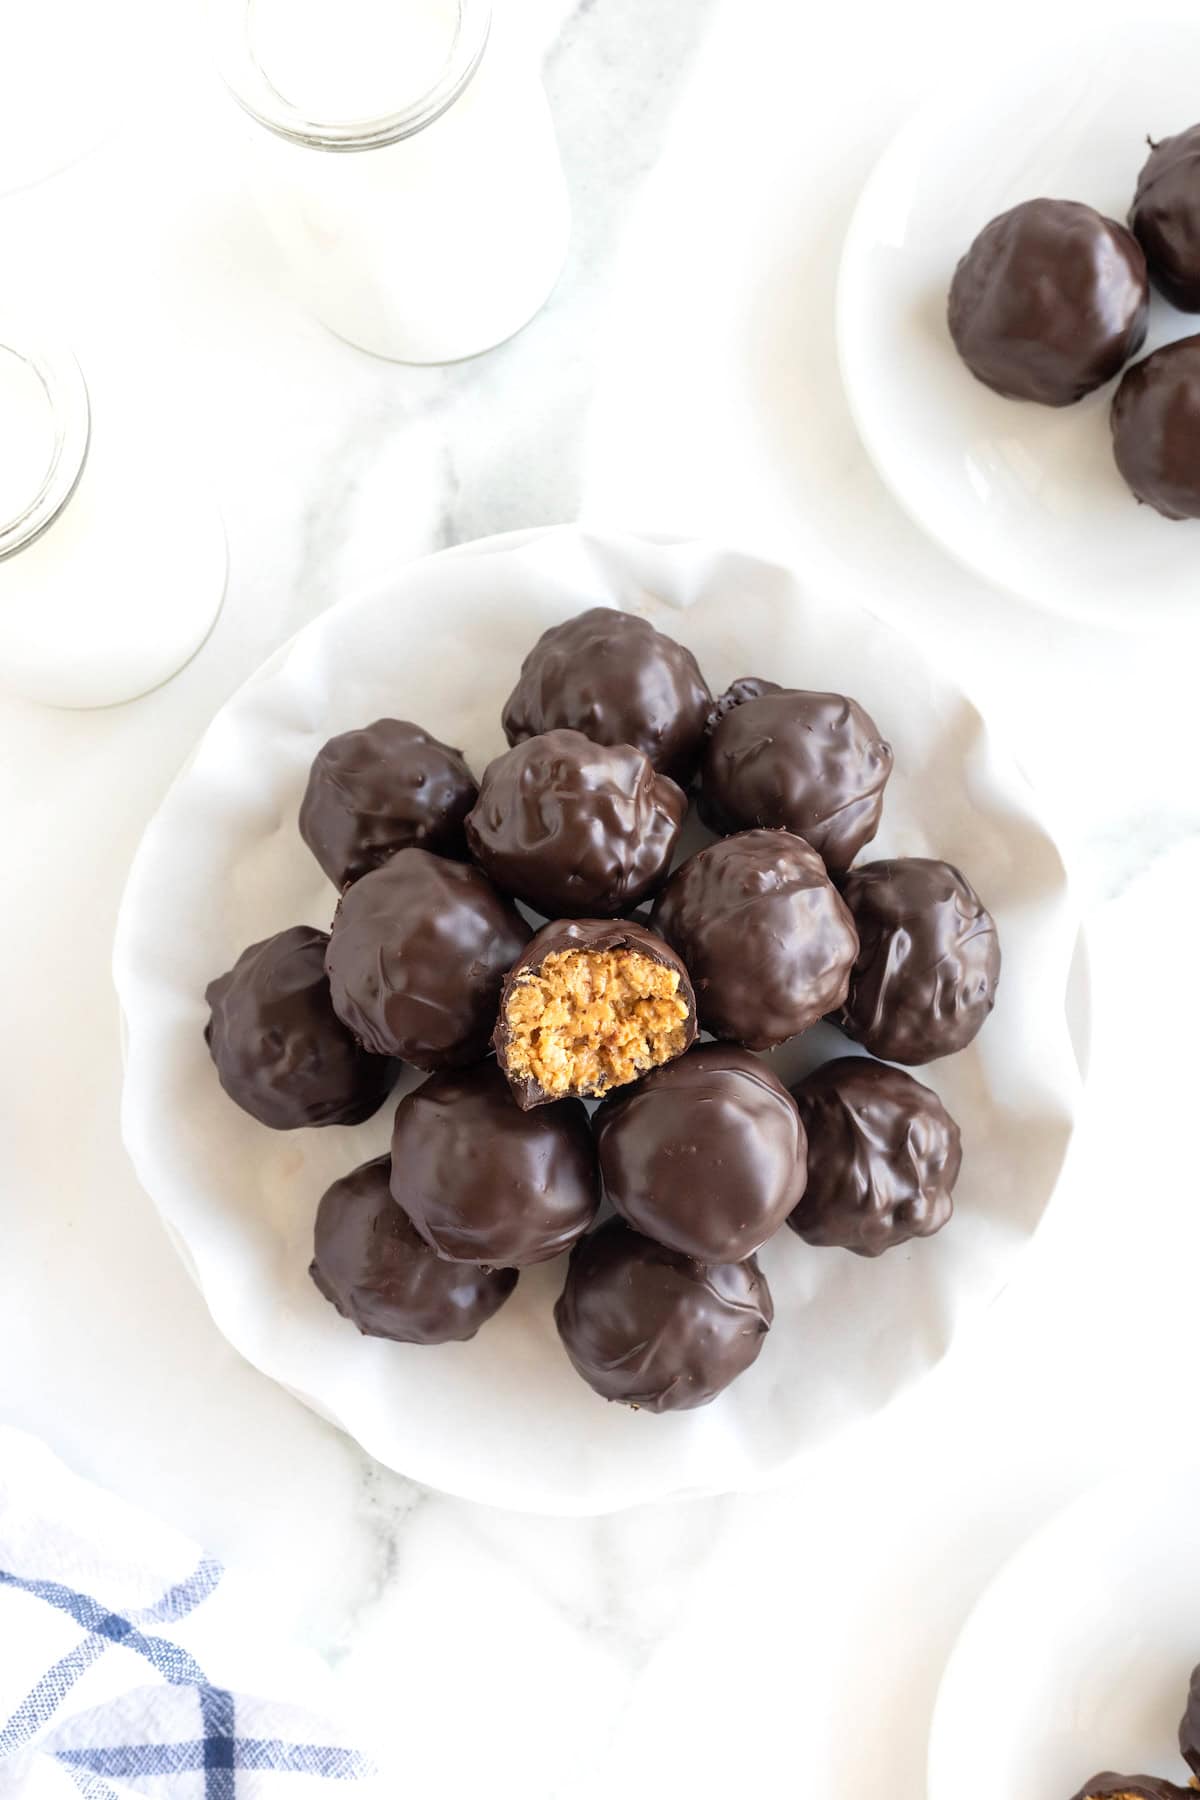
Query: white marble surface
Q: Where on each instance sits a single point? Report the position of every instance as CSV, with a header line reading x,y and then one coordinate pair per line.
x,y
791,1641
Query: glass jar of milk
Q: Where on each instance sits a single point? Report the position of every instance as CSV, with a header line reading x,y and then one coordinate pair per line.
x,y
404,158
112,569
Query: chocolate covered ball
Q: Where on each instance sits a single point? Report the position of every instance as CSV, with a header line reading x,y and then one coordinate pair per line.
x,y
1189,1726
485,1182
591,1004
925,977
1166,217
388,787
1156,429
417,957
655,1329
281,1051
1049,302
1108,1786
385,1279
575,829
764,935
814,764
705,1155
617,680
883,1157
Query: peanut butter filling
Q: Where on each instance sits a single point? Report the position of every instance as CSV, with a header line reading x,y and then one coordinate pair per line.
x,y
587,1021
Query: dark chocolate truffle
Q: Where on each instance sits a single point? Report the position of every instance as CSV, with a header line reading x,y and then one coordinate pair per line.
x,y
1156,429
1108,1786
705,1155
591,1004
814,764
575,829
1189,1726
648,1326
1166,217
485,1182
1050,301
385,1279
883,1157
281,1051
417,957
385,788
764,934
928,963
619,681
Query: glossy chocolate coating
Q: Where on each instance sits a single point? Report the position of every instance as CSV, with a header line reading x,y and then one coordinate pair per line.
x,y
281,1051
485,1182
1109,1786
705,1155
619,681
764,934
1166,217
811,763
1156,429
416,959
925,977
746,687
595,935
385,788
1050,302
385,1279
648,1326
883,1157
575,829
1189,1725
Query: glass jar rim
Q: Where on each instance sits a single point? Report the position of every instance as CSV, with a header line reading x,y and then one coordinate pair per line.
x,y
70,411
257,95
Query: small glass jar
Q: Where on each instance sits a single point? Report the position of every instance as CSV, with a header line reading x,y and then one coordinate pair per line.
x,y
112,569
404,159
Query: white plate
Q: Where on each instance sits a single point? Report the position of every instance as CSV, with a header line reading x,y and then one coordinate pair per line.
x,y
1077,1657
1029,496
505,1419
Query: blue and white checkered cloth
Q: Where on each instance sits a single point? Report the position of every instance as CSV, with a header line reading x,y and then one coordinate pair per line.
x,y
127,1666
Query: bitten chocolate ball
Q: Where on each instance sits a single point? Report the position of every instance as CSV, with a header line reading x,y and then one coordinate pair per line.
x,y
385,788
1156,429
813,764
385,1279
417,957
591,1004
705,1155
617,680
648,1326
281,1051
1049,302
1108,1786
1166,217
925,977
1189,1726
485,1182
883,1157
764,935
575,829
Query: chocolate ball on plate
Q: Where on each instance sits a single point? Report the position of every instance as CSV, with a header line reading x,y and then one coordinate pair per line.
x,y
616,679
764,935
814,764
655,1329
591,1004
705,1155
384,1278
280,1050
883,1157
1109,1786
484,1181
575,829
1166,217
924,980
1156,429
417,957
389,786
1050,301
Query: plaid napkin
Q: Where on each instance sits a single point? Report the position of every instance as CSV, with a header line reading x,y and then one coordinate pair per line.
x,y
121,1648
